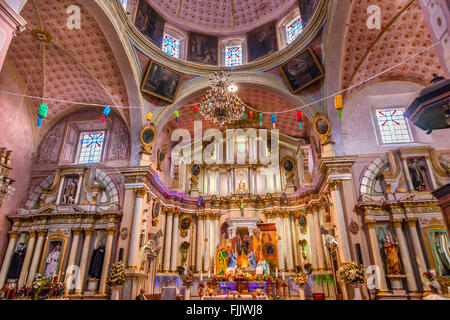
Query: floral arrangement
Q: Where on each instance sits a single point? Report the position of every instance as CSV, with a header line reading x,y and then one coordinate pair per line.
x,y
303,243
308,268
302,279
38,282
353,274
185,246
298,268
430,275
117,275
188,279
181,270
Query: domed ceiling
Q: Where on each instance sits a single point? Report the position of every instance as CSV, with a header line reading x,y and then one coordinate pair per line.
x,y
219,16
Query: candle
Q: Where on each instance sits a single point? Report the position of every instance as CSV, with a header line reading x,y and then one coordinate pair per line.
x,y
209,273
284,275
276,273
201,275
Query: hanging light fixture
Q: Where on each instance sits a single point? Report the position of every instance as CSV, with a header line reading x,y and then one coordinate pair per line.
x,y
221,104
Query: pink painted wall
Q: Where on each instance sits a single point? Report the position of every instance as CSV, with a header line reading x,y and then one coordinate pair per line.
x,y
16,127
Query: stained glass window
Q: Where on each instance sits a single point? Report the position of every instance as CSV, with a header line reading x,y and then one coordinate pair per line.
x,y
393,127
294,29
91,147
171,46
233,56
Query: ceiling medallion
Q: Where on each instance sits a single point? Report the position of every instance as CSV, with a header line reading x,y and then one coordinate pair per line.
x,y
42,36
221,104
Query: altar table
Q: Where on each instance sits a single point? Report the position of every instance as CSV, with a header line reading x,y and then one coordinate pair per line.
x,y
230,297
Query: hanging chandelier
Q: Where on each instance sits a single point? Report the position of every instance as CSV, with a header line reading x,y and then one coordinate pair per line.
x,y
221,104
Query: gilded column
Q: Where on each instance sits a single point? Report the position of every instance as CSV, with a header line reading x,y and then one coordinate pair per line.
x,y
312,239
288,237
420,259
84,258
280,235
207,261
339,218
72,256
174,250
13,235
27,260
36,255
200,241
319,241
404,253
133,250
106,260
377,255
168,241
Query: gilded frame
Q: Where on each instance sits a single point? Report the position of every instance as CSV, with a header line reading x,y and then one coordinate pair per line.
x,y
184,216
163,148
147,75
303,229
65,240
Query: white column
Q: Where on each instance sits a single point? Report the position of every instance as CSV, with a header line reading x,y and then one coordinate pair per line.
x,y
84,258
339,218
404,253
61,185
250,180
208,192
233,183
420,259
200,241
133,249
36,256
207,257
434,185
295,242
288,237
216,239
13,235
312,239
228,183
106,260
174,251
255,181
162,225
377,255
72,256
168,241
27,260
319,242
408,176
80,183
280,242
218,183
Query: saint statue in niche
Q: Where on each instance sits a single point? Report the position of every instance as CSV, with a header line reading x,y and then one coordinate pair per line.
x,y
52,260
242,186
417,172
70,191
392,259
95,269
17,262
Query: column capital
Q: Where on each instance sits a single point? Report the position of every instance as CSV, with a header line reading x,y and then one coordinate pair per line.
x,y
88,231
13,234
77,231
140,192
370,223
111,230
42,232
397,223
32,233
169,212
176,214
334,185
269,214
201,216
285,214
412,222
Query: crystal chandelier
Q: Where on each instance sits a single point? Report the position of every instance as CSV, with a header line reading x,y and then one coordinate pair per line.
x,y
221,104
6,184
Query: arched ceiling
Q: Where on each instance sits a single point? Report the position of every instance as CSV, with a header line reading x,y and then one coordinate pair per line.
x,y
403,33
74,65
220,16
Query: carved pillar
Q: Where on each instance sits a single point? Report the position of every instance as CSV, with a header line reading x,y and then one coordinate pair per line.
x,y
404,253
319,242
36,256
207,239
412,226
80,184
295,240
27,260
216,238
13,235
168,241
84,258
434,185
200,241
312,239
407,175
377,255
72,256
288,240
133,249
174,250
280,236
106,260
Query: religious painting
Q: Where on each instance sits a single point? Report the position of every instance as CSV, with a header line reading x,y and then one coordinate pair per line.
x,y
316,147
52,258
69,190
156,209
185,223
162,82
96,265
269,243
161,157
418,173
322,127
302,70
302,223
18,257
203,48
150,23
262,41
440,244
307,10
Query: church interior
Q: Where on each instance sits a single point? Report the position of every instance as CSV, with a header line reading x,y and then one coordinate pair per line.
x,y
224,150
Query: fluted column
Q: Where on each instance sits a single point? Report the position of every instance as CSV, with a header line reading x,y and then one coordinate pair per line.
x,y
200,241
27,261
168,241
106,260
376,254
288,237
36,255
72,256
84,258
312,239
13,235
420,259
339,218
133,249
405,257
319,241
280,242
174,250
207,261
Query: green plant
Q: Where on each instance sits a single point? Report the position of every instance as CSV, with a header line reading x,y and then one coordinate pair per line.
x,y
117,275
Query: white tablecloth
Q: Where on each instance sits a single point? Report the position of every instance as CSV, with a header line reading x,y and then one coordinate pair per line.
x,y
169,293
230,297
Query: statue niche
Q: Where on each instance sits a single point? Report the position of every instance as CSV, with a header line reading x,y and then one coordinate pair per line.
x,y
95,268
417,171
69,190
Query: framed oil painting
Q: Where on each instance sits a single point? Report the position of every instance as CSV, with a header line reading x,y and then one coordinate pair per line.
x,y
307,10
161,82
52,258
203,48
302,70
262,41
150,23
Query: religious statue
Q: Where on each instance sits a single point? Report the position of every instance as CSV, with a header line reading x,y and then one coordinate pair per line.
x,y
70,191
252,260
392,258
416,171
221,262
242,186
17,262
95,269
232,261
52,262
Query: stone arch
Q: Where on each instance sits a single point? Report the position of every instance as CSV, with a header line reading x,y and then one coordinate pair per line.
x,y
368,180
